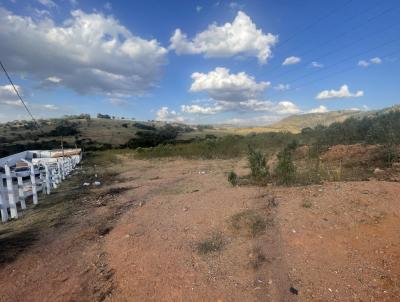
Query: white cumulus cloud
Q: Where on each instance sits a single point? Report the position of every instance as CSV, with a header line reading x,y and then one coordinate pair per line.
x,y
166,115
320,109
238,92
287,107
220,84
89,53
198,109
9,98
366,63
54,79
282,87
241,37
291,61
316,64
342,93
47,3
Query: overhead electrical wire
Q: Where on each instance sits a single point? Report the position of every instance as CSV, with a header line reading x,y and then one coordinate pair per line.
x,y
397,51
307,27
346,59
333,39
340,48
352,29
19,96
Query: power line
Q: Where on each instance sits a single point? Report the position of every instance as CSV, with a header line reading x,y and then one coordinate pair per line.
x,y
347,59
338,72
380,14
342,71
19,96
340,48
307,27
367,21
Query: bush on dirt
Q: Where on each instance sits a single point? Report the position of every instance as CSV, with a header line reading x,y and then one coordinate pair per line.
x,y
212,244
285,170
257,257
249,222
233,178
258,165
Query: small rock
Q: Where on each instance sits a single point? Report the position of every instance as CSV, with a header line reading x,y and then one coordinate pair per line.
x,y
294,291
378,171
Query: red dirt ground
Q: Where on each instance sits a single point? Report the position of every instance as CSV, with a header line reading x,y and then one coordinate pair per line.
x,y
331,242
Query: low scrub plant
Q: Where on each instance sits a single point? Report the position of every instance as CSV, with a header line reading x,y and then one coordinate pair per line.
x,y
212,244
257,258
285,170
258,164
249,222
233,178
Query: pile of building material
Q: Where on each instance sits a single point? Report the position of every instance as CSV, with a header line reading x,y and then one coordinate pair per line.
x,y
24,174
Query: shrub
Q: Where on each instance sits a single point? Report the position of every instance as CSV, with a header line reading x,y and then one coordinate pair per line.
x,y
285,170
233,178
258,165
213,244
68,129
250,222
147,138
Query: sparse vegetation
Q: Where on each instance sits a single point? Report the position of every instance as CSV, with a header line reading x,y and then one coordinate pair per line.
x,y
233,178
213,244
258,165
306,204
257,257
249,223
285,170
147,138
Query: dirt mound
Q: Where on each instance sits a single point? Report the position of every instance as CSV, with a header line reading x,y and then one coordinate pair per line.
x,y
356,153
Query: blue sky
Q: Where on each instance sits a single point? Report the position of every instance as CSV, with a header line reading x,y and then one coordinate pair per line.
x,y
199,61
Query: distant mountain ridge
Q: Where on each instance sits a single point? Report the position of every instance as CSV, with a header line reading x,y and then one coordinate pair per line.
x,y
301,121
294,123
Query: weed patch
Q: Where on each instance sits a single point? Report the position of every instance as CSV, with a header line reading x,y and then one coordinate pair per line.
x,y
306,204
257,258
213,244
233,178
285,170
249,223
258,165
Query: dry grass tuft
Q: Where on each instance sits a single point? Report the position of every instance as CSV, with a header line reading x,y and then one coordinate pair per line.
x,y
213,244
248,222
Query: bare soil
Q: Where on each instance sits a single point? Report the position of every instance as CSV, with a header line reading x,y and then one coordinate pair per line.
x,y
137,239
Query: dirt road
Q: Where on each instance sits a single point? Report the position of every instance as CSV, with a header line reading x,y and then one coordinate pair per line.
x,y
138,239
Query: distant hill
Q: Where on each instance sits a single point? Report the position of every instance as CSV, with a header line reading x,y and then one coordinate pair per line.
x,y
83,131
99,133
299,122
295,123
